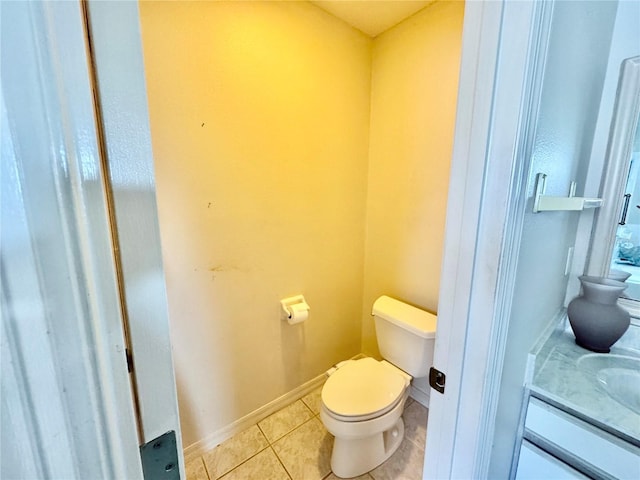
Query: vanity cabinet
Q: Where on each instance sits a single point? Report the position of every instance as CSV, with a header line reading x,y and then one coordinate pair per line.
x,y
534,464
557,444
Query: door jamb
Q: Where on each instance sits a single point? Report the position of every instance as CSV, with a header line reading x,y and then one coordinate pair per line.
x,y
504,48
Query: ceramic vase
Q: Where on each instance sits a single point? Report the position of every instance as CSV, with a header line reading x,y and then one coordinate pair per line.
x,y
596,318
619,275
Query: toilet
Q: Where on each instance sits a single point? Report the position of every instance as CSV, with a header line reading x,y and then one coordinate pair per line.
x,y
362,400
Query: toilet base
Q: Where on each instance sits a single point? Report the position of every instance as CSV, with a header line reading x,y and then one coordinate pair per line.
x,y
355,456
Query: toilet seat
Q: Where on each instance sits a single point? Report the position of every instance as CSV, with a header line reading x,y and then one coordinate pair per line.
x,y
363,389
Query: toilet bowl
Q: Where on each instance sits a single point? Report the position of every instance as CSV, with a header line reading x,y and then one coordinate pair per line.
x,y
362,400
362,404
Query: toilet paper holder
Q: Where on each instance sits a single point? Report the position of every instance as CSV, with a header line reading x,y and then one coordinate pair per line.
x,y
295,309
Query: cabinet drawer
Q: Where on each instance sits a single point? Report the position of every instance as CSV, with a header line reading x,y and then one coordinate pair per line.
x,y
581,444
535,464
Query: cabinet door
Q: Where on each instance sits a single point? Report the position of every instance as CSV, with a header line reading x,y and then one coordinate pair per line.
x,y
579,443
534,464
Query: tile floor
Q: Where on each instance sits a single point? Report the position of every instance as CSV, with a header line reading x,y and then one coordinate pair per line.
x,y
292,444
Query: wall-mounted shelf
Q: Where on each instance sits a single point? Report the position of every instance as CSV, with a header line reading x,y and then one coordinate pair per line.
x,y
548,203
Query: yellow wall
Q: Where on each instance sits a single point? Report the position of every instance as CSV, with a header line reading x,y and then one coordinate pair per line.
x,y
259,117
267,177
413,102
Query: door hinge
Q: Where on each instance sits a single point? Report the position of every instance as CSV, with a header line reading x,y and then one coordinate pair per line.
x,y
437,379
160,458
127,353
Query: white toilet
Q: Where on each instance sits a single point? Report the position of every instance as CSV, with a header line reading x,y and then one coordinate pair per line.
x,y
363,400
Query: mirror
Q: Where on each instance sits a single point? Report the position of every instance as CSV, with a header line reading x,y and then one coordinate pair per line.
x,y
626,249
615,246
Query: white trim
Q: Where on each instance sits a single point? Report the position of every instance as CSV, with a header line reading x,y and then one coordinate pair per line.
x,y
484,211
59,289
519,434
480,38
419,396
553,324
522,68
121,90
199,448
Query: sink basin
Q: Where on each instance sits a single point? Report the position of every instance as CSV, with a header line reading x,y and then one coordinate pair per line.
x,y
619,375
623,385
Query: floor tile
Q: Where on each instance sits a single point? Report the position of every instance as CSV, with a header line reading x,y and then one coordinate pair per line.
x,y
234,451
404,464
312,400
332,476
285,420
415,423
306,452
264,466
195,470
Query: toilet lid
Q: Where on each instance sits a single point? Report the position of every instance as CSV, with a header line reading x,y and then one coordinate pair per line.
x,y
362,387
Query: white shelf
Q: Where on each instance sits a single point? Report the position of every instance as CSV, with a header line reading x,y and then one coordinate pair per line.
x,y
548,203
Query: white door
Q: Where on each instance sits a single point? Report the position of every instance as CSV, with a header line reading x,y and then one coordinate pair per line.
x,y
69,407
496,78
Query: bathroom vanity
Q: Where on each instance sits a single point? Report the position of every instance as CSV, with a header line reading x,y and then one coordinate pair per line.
x,y
581,417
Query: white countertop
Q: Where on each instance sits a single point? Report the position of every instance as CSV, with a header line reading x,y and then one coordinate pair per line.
x,y
558,379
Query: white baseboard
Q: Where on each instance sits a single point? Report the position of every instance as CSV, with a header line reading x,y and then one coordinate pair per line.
x,y
419,396
197,449
200,447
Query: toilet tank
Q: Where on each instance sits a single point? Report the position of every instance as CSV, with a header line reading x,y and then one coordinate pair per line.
x,y
406,335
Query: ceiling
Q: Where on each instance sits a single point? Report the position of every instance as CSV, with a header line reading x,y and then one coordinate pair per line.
x,y
372,16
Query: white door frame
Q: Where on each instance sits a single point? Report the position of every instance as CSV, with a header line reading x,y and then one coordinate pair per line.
x,y
67,408
116,47
74,271
504,47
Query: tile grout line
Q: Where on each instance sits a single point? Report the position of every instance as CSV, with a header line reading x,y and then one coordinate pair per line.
x,y
238,465
271,445
206,470
290,431
410,440
299,426
281,463
313,416
242,462
307,405
262,432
